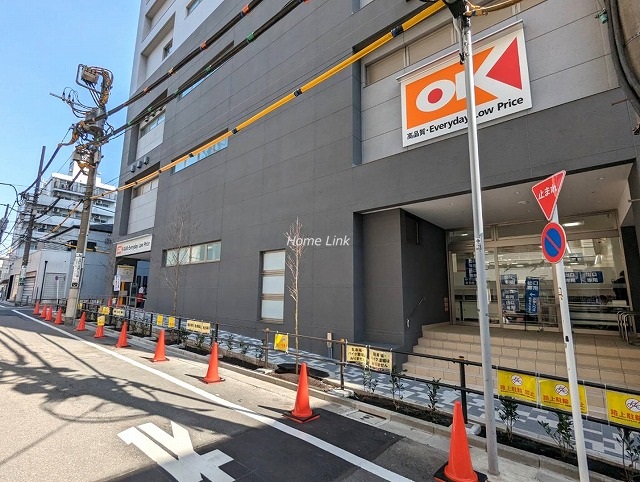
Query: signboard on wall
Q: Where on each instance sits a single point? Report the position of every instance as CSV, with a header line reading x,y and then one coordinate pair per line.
x,y
141,244
433,97
125,273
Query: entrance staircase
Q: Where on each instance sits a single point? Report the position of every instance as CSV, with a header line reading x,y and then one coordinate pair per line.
x,y
600,358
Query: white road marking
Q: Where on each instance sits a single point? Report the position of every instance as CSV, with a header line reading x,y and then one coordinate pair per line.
x,y
190,466
321,444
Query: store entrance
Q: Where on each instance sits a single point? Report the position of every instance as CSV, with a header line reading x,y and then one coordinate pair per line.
x,y
520,282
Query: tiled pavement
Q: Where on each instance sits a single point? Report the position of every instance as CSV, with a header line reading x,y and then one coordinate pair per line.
x,y
599,439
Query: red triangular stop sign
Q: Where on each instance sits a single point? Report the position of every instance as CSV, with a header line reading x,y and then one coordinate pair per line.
x,y
546,193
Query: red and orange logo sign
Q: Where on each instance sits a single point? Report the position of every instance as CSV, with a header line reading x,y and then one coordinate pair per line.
x,y
434,98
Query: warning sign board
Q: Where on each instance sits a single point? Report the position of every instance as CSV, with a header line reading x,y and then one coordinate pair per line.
x,y
159,320
171,322
118,312
517,385
281,342
380,360
555,394
357,354
101,320
198,326
623,408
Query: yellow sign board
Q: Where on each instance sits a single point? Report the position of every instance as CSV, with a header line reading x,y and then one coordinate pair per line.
x,y
623,408
357,354
104,310
101,320
118,312
555,394
159,320
171,322
198,326
516,385
380,360
281,342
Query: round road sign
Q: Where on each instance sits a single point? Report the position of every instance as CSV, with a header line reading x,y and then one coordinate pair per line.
x,y
554,242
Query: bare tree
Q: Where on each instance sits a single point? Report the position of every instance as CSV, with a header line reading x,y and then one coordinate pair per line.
x,y
295,248
178,236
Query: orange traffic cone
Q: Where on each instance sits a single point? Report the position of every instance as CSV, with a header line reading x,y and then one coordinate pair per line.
x,y
212,373
36,310
301,412
122,340
81,326
58,318
99,332
459,467
159,355
49,314
43,315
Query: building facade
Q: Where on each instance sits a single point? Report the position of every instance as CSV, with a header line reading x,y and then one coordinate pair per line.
x,y
374,163
55,234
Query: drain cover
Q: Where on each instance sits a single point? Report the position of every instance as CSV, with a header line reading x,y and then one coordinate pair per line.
x,y
367,418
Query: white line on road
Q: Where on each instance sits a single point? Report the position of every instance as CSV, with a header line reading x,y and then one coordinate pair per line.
x,y
321,444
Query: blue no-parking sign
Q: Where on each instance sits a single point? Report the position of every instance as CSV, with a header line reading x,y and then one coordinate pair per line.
x,y
554,242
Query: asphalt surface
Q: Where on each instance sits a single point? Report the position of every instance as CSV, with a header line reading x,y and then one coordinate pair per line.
x,y
77,408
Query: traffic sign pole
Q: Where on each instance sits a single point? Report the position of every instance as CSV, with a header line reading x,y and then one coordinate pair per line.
x,y
572,374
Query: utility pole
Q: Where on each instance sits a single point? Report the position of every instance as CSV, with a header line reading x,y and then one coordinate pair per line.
x,y
462,22
91,161
88,157
27,241
4,221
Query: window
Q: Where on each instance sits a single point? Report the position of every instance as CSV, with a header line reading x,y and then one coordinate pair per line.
x,y
213,251
435,41
190,84
186,91
142,189
198,157
272,296
192,6
198,253
166,51
152,124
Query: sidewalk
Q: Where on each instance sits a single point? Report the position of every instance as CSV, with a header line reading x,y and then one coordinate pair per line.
x,y
599,439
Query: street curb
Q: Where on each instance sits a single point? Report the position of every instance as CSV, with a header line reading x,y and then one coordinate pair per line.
x,y
513,454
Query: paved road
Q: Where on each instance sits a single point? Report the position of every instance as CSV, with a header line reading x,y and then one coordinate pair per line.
x,y
76,408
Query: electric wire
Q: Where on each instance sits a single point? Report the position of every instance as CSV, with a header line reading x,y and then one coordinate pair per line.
x,y
403,27
53,156
188,58
474,10
216,63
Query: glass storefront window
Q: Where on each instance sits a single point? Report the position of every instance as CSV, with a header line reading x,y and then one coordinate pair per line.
x,y
594,272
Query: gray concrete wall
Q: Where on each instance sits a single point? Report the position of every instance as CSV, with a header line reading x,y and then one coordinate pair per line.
x,y
382,280
424,274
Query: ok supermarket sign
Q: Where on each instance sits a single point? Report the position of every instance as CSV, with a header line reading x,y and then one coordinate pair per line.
x,y
434,100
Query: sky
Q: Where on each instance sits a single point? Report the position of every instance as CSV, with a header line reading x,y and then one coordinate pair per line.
x,y
42,42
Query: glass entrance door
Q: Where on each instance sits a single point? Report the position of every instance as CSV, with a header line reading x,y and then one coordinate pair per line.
x,y
465,288
526,287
